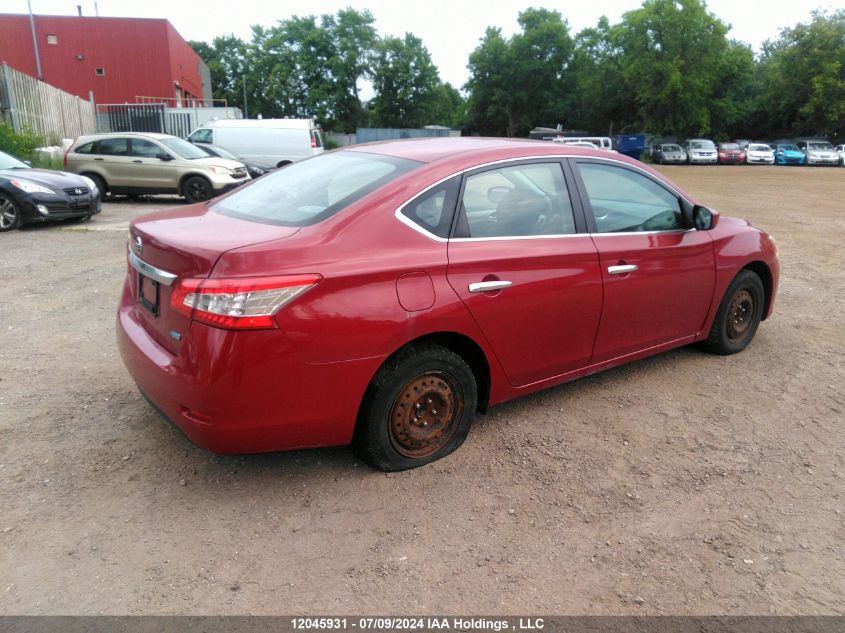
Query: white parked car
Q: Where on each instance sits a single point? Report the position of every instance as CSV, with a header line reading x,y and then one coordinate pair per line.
x,y
598,142
759,153
266,142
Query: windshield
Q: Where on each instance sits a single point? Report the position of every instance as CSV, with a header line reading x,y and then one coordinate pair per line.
x,y
310,191
729,145
9,162
671,148
702,145
789,148
222,153
820,146
183,148
760,148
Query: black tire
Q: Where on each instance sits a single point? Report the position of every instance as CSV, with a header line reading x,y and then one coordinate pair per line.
x,y
197,189
10,214
101,184
739,315
399,426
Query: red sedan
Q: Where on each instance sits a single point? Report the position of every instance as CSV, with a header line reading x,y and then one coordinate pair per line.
x,y
382,294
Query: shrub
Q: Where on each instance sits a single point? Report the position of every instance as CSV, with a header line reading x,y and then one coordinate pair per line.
x,y
21,146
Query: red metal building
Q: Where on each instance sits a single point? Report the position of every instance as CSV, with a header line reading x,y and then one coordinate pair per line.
x,y
116,59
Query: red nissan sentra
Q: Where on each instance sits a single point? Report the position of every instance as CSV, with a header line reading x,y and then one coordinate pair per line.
x,y
382,294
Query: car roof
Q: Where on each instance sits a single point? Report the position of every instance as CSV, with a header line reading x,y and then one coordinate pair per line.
x,y
471,149
102,135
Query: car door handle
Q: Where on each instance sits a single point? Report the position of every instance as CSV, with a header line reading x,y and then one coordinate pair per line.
x,y
623,269
488,286
99,159
137,161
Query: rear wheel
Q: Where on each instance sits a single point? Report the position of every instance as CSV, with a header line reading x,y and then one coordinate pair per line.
x,y
10,215
739,315
197,189
418,408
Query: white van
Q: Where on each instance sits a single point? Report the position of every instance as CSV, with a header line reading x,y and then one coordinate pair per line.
x,y
601,142
266,142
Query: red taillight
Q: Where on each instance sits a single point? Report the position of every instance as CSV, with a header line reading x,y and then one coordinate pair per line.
x,y
65,159
240,303
313,140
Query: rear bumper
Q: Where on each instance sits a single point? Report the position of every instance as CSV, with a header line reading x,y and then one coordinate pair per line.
x,y
243,392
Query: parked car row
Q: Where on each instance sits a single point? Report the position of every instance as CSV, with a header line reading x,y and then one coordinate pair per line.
x,y
704,151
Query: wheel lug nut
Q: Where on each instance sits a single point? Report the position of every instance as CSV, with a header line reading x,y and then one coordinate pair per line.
x,y
434,413
417,405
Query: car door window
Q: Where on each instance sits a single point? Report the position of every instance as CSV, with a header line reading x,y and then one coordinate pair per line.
x,y
113,147
516,201
623,200
203,135
145,149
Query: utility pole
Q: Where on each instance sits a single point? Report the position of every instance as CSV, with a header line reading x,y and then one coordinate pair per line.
x,y
246,108
34,40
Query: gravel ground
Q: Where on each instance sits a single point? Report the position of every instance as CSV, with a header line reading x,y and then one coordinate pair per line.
x,y
683,484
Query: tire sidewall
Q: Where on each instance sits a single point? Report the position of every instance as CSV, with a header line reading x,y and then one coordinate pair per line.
x,y
17,209
745,280
373,434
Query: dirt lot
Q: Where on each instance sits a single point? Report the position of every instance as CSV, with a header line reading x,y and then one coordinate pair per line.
x,y
683,484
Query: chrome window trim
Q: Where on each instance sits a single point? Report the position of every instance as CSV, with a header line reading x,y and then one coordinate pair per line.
x,y
552,157
156,274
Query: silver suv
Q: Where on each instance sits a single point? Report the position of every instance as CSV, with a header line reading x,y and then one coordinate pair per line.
x,y
134,164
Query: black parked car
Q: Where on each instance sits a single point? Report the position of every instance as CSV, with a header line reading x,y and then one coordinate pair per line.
x,y
212,150
42,195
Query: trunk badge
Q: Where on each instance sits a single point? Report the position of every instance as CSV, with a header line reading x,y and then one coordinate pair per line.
x,y
139,245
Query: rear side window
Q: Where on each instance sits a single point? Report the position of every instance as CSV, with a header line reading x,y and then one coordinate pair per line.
x,y
434,209
88,148
113,147
307,192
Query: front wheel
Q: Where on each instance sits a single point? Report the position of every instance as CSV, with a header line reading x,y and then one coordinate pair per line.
x,y
418,408
10,215
739,315
197,189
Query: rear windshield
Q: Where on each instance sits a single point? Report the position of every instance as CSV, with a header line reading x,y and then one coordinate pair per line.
x,y
310,191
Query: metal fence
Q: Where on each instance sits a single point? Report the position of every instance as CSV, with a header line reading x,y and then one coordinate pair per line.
x,y
26,103
370,134
158,117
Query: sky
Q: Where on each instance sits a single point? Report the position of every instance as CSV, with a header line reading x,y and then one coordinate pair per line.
x,y
450,29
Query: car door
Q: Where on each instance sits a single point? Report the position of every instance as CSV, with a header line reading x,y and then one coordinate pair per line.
x,y
151,172
527,275
112,157
659,274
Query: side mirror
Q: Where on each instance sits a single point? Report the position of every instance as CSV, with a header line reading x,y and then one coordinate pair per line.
x,y
703,218
164,156
495,194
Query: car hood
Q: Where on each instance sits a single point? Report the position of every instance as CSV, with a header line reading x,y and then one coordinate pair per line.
x,y
46,177
215,161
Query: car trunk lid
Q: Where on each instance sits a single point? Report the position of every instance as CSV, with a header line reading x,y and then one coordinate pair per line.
x,y
186,243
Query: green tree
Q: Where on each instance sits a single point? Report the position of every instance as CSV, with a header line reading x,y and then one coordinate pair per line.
x,y
680,67
525,81
803,77
405,82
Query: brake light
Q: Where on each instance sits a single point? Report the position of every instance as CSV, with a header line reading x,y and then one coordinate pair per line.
x,y
239,303
65,158
313,140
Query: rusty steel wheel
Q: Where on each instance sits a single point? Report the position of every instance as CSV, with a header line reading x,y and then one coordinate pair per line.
x,y
424,414
739,315
417,409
